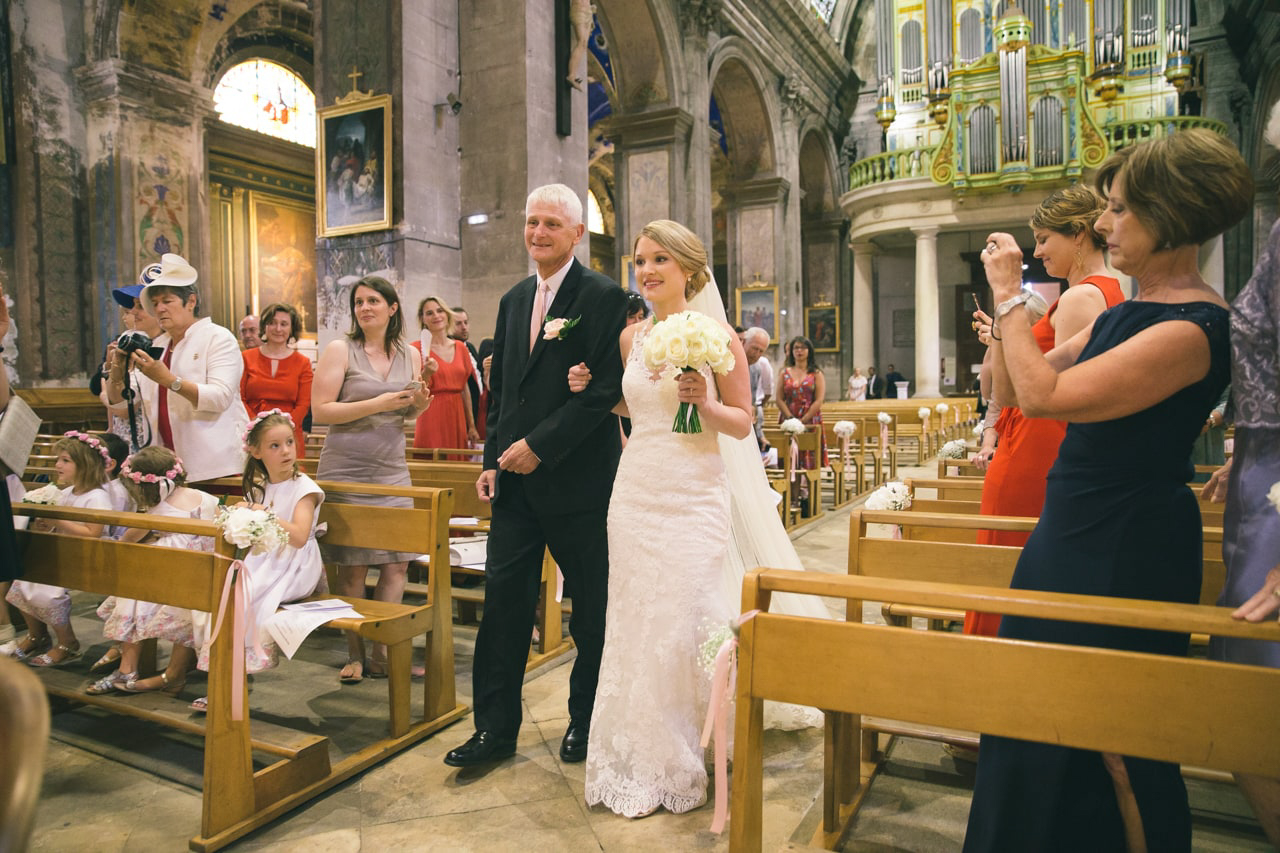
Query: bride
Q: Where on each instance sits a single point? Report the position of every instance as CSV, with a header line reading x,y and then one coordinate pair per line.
x,y
678,547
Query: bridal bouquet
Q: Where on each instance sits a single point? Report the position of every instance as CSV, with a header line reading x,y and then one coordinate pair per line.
x,y
46,495
844,429
255,529
954,449
792,426
893,495
686,342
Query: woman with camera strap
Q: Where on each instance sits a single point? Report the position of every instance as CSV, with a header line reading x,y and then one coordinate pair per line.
x,y
128,417
191,384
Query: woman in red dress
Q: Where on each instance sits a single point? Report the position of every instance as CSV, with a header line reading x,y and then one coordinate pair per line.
x,y
446,365
1070,248
275,375
802,388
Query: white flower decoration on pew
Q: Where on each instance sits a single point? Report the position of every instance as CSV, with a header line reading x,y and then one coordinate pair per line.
x,y
942,408
717,635
46,495
883,417
923,412
844,429
256,529
892,495
686,342
978,429
953,449
793,426
1274,496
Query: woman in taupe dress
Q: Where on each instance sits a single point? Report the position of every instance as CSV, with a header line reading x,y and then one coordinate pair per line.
x,y
366,386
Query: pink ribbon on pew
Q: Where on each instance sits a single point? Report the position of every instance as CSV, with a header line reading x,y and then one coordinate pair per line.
x,y
723,680
242,623
794,453
884,441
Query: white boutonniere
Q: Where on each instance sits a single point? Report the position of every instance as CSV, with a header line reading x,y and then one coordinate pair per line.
x,y
557,328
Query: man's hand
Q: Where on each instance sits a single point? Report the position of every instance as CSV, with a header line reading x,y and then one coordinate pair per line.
x,y
518,458
1215,491
487,484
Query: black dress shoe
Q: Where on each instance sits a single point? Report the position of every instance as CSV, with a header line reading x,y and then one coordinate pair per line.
x,y
484,747
574,746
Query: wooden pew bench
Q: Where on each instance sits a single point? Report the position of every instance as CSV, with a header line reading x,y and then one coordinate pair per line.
x,y
236,798
1089,698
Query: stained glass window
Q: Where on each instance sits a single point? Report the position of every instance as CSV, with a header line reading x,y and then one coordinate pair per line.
x,y
824,8
269,98
595,219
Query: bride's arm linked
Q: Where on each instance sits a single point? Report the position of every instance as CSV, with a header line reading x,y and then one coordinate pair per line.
x,y
733,413
580,374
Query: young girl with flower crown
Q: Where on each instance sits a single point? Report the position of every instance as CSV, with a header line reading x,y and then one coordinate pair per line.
x,y
81,466
273,482
155,479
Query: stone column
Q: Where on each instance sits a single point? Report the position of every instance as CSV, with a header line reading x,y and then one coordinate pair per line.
x,y
820,238
755,232
928,370
651,155
864,307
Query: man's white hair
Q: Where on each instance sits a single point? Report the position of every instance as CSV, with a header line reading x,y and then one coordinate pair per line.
x,y
557,195
756,332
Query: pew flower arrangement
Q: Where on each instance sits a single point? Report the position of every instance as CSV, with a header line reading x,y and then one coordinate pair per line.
x,y
844,429
884,418
923,412
954,449
687,342
892,495
942,408
255,529
978,429
792,426
46,495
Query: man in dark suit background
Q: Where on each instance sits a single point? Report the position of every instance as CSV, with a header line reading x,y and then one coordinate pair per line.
x,y
549,463
875,385
462,332
891,380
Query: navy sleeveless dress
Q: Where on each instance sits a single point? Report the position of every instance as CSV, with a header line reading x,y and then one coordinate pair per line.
x,y
1118,520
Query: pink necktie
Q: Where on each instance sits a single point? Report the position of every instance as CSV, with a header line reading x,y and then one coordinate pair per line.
x,y
539,314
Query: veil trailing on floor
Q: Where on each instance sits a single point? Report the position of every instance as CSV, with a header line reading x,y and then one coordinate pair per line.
x,y
757,538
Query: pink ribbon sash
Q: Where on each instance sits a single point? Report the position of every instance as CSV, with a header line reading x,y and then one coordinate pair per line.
x,y
243,623
884,441
723,681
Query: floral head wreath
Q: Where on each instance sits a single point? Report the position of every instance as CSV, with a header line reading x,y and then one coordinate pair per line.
x,y
92,440
259,418
126,470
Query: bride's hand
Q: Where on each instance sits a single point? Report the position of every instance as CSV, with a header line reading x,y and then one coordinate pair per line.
x,y
579,377
692,388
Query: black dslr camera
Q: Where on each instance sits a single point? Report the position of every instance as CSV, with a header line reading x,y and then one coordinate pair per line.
x,y
133,340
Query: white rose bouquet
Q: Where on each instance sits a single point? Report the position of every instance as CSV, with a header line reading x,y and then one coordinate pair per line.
x,y
884,418
923,412
893,495
255,529
942,408
47,495
792,426
844,429
686,342
954,449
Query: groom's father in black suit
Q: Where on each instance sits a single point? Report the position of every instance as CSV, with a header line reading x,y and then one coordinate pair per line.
x,y
549,461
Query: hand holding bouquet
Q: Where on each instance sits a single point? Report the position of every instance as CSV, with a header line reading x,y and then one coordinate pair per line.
x,y
687,341
46,495
255,529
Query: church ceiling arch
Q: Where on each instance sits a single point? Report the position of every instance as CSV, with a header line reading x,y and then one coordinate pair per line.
x,y
747,119
638,39
275,30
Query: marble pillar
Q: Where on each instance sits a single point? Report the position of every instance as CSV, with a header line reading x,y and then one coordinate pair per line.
x,y
928,367
864,306
822,277
651,158
756,219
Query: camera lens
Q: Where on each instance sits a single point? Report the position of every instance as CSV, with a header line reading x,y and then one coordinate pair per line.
x,y
132,340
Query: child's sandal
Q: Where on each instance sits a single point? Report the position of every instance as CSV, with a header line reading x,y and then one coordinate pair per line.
x,y
107,684
69,654
108,660
35,645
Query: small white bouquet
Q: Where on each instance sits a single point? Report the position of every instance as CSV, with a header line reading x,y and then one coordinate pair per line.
x,y
978,429
47,495
792,426
942,408
256,529
923,412
954,449
717,635
893,495
844,429
884,418
1274,496
686,342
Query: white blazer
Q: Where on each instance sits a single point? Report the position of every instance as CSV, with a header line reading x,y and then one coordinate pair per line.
x,y
206,437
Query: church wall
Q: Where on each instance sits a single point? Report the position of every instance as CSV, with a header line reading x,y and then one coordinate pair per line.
x,y
895,283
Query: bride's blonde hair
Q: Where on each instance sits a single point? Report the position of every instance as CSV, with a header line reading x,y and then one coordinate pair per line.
x,y
685,248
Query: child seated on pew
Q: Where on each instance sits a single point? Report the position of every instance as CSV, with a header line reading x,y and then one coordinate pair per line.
x,y
81,466
272,481
118,448
155,479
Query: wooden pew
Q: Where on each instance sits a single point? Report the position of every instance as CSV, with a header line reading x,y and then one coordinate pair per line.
x,y
1089,698
236,798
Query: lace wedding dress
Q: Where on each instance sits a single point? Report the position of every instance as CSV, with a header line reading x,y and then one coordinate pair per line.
x,y
669,522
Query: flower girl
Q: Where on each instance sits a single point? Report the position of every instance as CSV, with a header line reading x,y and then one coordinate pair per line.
x,y
81,466
155,478
273,482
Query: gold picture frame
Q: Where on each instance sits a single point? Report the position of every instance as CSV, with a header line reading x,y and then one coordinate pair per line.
x,y
757,305
628,273
282,256
822,326
353,166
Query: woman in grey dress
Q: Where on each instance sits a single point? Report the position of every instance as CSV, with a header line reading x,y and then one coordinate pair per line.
x,y
366,385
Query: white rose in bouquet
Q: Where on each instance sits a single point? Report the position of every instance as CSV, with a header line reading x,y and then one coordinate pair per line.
x,y
48,495
890,496
255,529
687,341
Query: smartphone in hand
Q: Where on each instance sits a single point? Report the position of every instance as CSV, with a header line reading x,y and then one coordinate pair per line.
x,y
415,385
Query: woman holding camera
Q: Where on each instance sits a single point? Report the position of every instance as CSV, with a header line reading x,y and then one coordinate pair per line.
x,y
191,388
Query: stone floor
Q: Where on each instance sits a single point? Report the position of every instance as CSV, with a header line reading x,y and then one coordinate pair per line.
x,y
110,786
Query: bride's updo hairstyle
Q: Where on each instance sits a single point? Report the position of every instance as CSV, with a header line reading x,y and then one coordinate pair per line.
x,y
685,248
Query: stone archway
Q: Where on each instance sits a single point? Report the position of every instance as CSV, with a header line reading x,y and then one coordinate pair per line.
x,y
822,251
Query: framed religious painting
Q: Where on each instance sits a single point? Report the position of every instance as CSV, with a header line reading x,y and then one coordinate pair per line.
x,y
757,305
282,256
353,166
822,326
627,277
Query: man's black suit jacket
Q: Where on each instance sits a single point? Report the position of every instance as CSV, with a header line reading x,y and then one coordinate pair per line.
x,y
875,387
572,434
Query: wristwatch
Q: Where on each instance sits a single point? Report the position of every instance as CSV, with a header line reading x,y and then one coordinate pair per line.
x,y
176,384
1011,303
